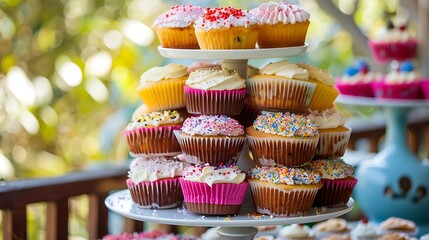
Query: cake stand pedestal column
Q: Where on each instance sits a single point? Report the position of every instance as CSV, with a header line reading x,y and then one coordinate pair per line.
x,y
233,233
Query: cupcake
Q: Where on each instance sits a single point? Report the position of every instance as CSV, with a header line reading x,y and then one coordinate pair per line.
x,y
338,182
399,225
215,91
337,237
175,27
325,93
211,139
161,88
333,135
357,80
282,191
201,64
394,236
213,190
295,232
333,226
281,86
248,114
151,134
424,83
226,28
403,83
365,231
154,183
282,139
281,24
265,231
393,43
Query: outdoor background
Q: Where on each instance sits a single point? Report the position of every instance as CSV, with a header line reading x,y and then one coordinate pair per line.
x,y
69,71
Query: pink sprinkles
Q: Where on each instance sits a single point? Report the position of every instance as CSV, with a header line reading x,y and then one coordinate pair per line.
x,y
211,125
284,175
285,124
196,170
336,168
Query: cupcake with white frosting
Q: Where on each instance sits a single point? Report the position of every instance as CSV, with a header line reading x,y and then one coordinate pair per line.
x,y
333,135
175,27
281,24
295,232
215,91
154,183
213,190
365,231
281,86
332,227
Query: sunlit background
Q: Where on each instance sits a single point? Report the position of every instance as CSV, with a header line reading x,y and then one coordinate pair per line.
x,y
69,72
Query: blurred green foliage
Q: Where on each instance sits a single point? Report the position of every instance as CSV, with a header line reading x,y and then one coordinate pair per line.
x,y
69,70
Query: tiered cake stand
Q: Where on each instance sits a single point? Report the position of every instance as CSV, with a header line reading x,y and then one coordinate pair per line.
x,y
243,225
395,182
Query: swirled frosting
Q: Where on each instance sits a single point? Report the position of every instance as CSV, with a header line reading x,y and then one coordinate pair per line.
x,y
179,16
212,125
393,35
142,170
155,119
295,231
329,118
280,12
169,71
331,169
210,175
284,175
225,17
364,230
332,225
361,78
318,74
285,69
285,124
215,79
197,65
396,77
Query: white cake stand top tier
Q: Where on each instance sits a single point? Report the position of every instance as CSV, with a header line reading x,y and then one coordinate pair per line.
x,y
121,203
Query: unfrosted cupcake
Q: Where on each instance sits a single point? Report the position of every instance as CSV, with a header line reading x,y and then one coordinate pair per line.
x,y
282,139
226,28
365,231
154,183
403,83
281,86
333,226
175,27
213,190
393,43
338,182
399,225
211,139
357,80
295,232
281,24
282,191
215,91
333,135
161,88
151,134
325,93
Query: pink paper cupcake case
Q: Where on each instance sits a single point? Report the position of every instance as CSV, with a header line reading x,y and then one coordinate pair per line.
x,y
388,51
358,89
335,193
225,102
424,84
397,91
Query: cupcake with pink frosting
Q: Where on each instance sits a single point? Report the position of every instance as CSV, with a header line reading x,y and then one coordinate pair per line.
x,y
215,91
281,24
403,83
333,135
175,27
338,182
213,190
212,139
154,183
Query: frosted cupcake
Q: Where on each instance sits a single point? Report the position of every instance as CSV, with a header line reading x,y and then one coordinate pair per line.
x,y
295,232
333,135
333,226
357,80
211,139
213,190
281,24
282,139
403,83
365,231
337,237
281,86
226,28
215,91
282,191
399,225
338,182
394,236
325,93
154,183
393,43
175,27
161,88
151,134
